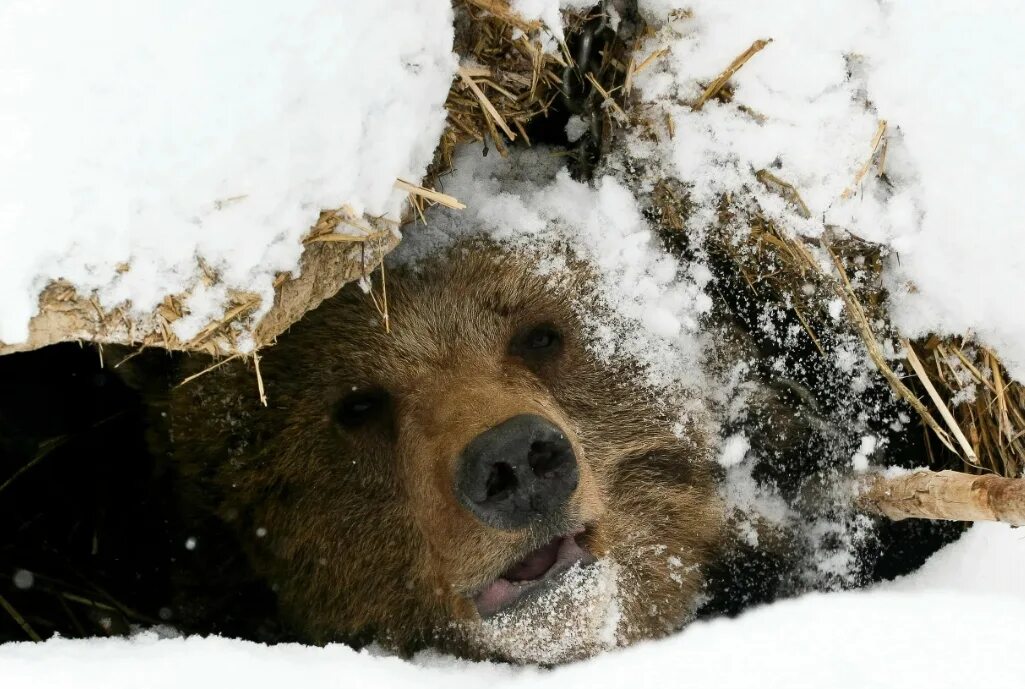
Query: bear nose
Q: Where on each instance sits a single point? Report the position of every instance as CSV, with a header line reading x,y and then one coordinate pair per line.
x,y
520,471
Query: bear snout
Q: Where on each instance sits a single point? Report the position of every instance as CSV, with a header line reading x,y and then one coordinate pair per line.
x,y
516,473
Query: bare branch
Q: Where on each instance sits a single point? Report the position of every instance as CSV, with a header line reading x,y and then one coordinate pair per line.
x,y
950,495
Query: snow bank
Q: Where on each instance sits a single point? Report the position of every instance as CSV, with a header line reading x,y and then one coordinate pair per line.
x,y
948,76
896,635
941,74
137,139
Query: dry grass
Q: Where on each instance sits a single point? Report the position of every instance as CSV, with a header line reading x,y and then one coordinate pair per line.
x,y
959,389
713,89
506,79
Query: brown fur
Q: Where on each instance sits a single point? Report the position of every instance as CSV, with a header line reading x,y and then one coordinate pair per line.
x,y
359,530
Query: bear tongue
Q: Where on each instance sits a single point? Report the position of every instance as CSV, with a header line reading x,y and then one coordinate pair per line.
x,y
535,564
561,553
508,587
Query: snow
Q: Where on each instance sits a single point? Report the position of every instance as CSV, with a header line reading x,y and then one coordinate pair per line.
x,y
960,112
733,450
124,144
24,579
549,12
861,458
897,634
652,303
941,75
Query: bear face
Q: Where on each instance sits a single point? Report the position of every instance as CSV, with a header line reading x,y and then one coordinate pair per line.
x,y
477,479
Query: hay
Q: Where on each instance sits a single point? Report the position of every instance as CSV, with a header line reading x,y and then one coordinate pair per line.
x,y
331,257
505,81
959,389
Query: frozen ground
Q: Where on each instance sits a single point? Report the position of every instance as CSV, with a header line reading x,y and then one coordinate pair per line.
x,y
953,624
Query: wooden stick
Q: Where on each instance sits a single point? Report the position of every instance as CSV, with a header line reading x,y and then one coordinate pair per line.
x,y
949,495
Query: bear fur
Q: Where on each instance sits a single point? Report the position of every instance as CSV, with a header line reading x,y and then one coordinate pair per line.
x,y
347,510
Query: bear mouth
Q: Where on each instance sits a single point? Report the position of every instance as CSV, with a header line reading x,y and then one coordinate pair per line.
x,y
533,573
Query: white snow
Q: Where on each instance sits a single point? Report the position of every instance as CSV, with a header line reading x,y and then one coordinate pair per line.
x,y
24,579
949,78
861,458
941,74
549,12
529,200
156,134
733,450
899,634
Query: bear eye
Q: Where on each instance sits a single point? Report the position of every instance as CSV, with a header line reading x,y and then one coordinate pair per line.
x,y
361,407
536,342
542,338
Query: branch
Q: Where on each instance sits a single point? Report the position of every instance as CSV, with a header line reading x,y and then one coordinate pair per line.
x,y
950,495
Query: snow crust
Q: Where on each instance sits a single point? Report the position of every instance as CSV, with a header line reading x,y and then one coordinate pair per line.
x,y
154,135
895,635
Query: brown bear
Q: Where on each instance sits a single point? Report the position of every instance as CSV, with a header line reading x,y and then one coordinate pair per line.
x,y
475,479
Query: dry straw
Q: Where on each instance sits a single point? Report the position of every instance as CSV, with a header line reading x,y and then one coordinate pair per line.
x,y
959,389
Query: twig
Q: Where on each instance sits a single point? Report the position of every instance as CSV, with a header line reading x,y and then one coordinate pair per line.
x,y
338,237
208,369
22,622
486,104
863,170
228,317
648,61
785,189
259,379
721,80
607,97
384,298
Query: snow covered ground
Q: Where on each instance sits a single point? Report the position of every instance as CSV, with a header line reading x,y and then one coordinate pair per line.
x,y
955,623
